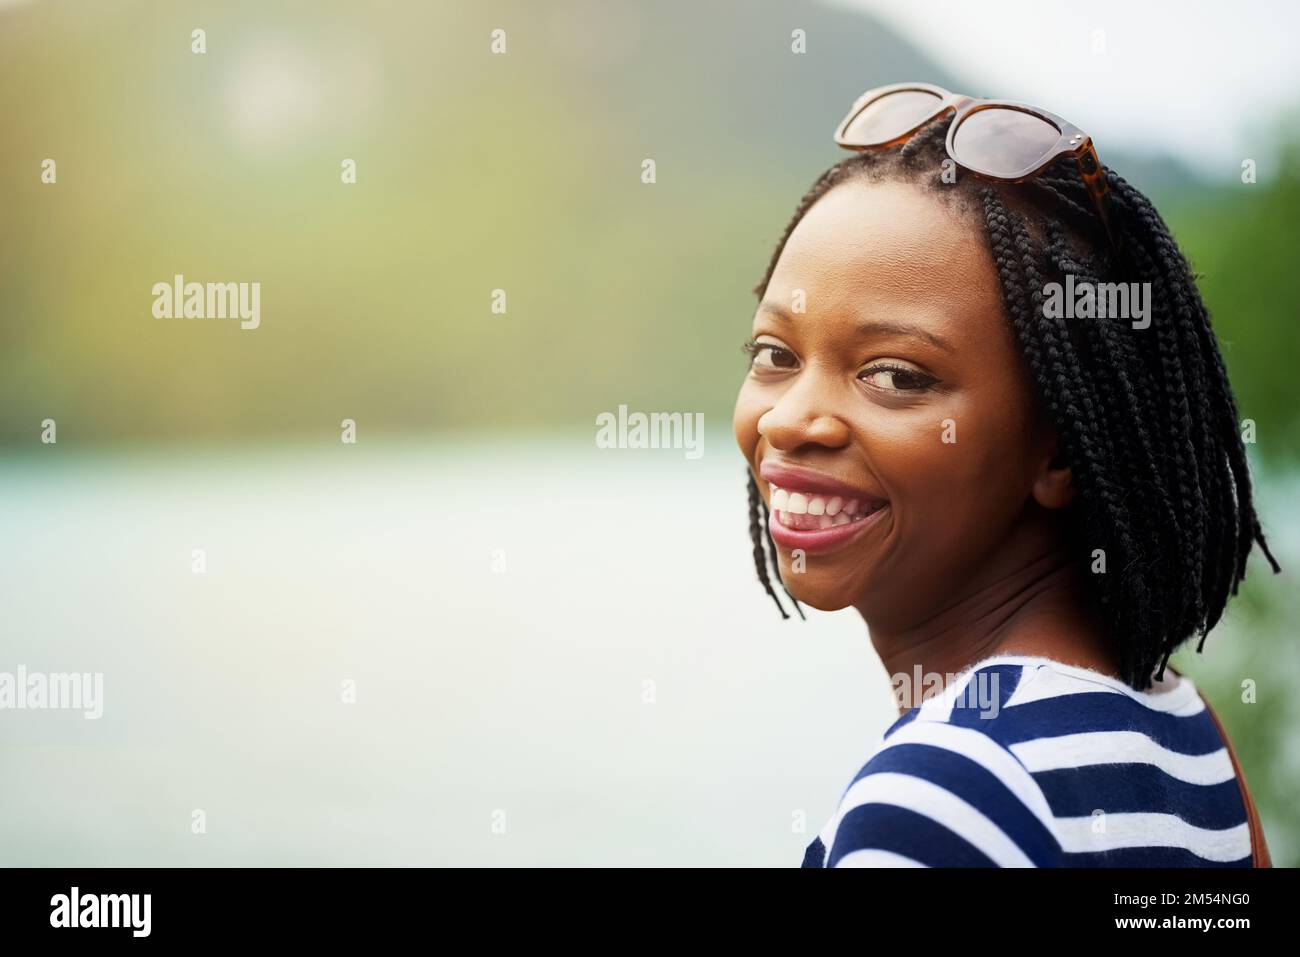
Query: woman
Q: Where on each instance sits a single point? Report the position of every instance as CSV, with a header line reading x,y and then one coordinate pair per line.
x,y
986,409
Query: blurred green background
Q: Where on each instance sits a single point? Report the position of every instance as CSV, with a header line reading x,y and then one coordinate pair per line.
x,y
474,172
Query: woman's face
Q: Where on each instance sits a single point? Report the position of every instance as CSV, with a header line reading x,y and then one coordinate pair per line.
x,y
886,415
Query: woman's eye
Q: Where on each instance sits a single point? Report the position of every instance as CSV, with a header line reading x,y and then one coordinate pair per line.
x,y
768,355
894,378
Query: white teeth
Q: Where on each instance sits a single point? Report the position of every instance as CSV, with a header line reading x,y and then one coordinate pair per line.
x,y
806,510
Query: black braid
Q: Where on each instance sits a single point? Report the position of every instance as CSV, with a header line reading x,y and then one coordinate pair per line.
x,y
1145,417
760,536
756,536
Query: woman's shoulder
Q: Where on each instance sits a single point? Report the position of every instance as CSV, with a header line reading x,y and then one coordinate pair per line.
x,y
941,790
1016,700
1019,699
1029,762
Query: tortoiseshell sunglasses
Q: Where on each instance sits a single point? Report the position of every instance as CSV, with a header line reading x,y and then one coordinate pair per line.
x,y
996,139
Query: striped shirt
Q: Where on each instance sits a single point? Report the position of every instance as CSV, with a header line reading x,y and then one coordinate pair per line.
x,y
1027,762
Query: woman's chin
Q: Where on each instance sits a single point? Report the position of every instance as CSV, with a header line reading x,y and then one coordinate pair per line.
x,y
808,589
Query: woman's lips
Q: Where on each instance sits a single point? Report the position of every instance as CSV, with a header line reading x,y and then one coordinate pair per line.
x,y
798,479
820,539
814,512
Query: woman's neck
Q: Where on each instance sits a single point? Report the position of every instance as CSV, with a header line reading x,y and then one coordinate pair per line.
x,y
1031,600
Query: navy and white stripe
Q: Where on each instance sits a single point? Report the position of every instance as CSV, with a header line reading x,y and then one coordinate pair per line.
x,y
1072,769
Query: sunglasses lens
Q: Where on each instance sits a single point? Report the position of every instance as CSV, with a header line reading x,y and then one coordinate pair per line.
x,y
890,116
1003,142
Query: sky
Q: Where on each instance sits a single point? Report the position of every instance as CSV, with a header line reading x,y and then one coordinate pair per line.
x,y
1204,78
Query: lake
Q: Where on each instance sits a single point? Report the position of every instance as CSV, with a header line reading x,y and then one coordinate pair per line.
x,y
554,654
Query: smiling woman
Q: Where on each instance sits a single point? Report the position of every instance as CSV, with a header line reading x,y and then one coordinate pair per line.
x,y
997,488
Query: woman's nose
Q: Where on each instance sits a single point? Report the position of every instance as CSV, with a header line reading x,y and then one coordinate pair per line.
x,y
802,416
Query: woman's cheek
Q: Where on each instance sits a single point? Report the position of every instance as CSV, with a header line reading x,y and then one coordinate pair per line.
x,y
978,457
744,421
910,448
932,459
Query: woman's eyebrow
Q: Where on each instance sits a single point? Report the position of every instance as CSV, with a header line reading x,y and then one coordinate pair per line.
x,y
873,327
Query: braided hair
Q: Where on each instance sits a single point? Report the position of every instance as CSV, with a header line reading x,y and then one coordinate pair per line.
x,y
1145,417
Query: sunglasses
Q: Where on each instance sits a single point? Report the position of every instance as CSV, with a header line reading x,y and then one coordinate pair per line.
x,y
994,139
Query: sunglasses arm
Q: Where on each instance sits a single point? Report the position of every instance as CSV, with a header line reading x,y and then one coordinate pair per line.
x,y
1094,178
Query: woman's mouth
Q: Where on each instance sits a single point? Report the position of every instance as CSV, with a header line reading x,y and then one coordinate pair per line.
x,y
818,522
808,510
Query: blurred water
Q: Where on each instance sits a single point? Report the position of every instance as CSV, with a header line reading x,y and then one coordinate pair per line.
x,y
479,693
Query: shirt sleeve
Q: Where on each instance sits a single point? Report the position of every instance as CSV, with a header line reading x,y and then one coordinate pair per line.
x,y
941,795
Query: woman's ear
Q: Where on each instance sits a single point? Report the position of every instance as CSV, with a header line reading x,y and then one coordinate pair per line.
x,y
1054,483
